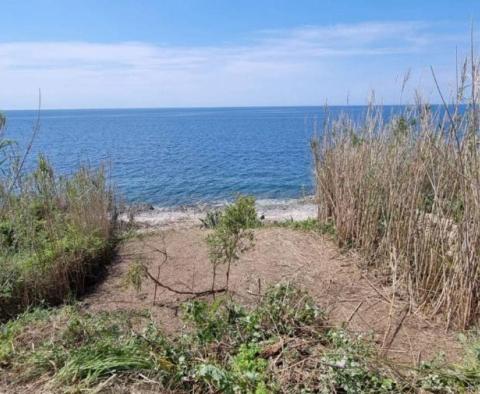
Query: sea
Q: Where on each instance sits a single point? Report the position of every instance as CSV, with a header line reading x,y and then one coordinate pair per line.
x,y
177,157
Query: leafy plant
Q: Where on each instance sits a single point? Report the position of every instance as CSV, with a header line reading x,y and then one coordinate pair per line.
x,y
135,275
233,235
349,366
212,219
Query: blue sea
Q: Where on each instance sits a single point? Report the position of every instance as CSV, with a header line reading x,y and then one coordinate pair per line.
x,y
173,157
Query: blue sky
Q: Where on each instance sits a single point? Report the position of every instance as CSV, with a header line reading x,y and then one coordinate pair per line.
x,y
166,53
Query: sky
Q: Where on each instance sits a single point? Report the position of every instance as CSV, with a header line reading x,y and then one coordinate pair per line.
x,y
212,53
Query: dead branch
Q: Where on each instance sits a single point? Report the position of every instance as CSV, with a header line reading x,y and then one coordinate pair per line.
x,y
355,311
386,346
183,292
158,283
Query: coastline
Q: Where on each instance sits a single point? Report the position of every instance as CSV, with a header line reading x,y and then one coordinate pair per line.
x,y
271,210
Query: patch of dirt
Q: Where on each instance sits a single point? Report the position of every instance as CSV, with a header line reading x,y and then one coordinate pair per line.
x,y
311,261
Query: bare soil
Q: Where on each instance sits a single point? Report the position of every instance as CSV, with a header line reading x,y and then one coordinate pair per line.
x,y
349,296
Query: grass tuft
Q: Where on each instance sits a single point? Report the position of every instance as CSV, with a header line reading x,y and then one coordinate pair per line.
x,y
314,225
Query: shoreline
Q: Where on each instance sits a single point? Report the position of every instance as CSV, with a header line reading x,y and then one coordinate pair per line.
x,y
271,210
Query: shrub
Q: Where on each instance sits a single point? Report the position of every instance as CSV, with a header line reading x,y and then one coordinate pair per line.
x,y
233,235
55,233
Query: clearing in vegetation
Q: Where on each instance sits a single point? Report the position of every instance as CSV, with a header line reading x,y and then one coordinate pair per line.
x,y
298,317
240,307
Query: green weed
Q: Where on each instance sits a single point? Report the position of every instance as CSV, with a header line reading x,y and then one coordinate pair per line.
x,y
280,346
327,227
212,219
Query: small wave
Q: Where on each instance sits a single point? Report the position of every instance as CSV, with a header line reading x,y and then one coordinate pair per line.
x,y
294,209
186,216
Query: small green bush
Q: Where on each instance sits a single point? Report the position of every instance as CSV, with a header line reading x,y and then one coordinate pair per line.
x,y
240,215
55,232
232,235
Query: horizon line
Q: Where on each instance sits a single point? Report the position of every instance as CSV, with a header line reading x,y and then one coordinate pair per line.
x,y
216,107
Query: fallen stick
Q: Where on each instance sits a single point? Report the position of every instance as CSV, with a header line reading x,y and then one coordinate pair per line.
x,y
354,312
386,346
183,292
384,297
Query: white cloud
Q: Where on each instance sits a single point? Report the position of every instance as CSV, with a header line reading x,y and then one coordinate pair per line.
x,y
289,67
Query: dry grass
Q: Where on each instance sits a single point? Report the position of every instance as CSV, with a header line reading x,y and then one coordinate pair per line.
x,y
54,233
406,193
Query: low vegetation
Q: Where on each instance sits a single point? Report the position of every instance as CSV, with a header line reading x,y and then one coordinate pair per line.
x,y
282,345
232,234
404,192
212,219
55,232
325,227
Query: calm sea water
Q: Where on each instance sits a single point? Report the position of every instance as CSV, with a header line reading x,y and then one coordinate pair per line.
x,y
171,157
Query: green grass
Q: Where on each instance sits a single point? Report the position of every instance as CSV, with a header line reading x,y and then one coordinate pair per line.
x,y
55,234
314,225
282,345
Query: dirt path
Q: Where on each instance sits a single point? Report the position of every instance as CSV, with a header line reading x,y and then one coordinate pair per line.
x,y
307,259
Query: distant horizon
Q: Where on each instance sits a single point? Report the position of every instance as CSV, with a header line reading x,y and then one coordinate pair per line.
x,y
215,107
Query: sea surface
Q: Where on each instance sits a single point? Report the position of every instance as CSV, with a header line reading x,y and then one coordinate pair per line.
x,y
175,157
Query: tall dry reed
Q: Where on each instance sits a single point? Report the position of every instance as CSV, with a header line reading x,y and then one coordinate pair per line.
x,y
404,190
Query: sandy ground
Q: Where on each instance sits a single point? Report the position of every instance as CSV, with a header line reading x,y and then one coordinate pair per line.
x,y
311,261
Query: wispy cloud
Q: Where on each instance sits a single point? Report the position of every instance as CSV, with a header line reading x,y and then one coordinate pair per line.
x,y
275,67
